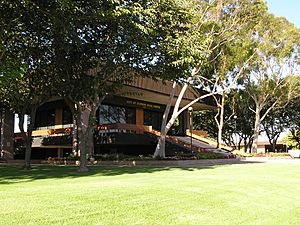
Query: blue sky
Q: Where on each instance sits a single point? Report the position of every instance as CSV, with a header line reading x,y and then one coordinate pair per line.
x,y
287,8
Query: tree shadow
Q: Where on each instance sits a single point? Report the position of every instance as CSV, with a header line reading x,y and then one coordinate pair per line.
x,y
12,174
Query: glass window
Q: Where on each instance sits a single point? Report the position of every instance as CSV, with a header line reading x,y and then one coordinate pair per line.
x,y
67,116
116,114
45,119
153,118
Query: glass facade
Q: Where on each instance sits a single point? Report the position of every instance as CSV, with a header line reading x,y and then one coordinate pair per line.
x,y
67,118
45,119
153,118
116,114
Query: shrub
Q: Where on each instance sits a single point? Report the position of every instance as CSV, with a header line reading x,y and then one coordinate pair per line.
x,y
73,157
272,154
120,156
209,156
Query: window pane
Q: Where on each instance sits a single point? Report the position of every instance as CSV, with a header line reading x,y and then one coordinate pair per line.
x,y
116,114
45,118
153,118
67,116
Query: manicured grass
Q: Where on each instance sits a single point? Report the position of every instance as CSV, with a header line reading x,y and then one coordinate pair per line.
x,y
228,194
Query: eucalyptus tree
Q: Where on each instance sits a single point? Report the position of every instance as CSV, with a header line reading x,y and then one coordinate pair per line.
x,y
275,123
214,24
294,121
276,57
227,70
243,119
238,120
293,117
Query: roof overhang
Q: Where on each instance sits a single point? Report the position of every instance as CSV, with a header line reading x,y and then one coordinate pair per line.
x,y
157,91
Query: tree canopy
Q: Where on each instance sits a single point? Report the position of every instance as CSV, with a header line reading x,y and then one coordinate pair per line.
x,y
86,48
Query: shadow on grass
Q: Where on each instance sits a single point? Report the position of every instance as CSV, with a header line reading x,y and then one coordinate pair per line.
x,y
11,174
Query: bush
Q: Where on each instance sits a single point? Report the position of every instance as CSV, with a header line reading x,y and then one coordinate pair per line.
x,y
272,154
73,157
209,156
241,153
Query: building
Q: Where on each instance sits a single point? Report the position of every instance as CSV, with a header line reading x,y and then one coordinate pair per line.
x,y
265,147
128,121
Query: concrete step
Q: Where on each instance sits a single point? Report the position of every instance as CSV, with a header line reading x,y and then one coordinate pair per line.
x,y
202,145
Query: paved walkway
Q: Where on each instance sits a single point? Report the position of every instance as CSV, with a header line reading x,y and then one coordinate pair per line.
x,y
272,160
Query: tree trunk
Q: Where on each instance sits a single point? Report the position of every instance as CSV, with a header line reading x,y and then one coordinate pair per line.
x,y
256,130
91,128
246,144
86,128
27,163
74,137
274,141
83,123
27,136
221,120
74,109
84,118
239,144
82,153
90,141
160,150
250,143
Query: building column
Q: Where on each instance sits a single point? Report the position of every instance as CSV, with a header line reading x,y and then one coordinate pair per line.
x,y
184,122
139,119
60,153
7,135
58,118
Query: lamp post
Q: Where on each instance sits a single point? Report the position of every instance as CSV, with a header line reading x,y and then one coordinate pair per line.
x,y
190,109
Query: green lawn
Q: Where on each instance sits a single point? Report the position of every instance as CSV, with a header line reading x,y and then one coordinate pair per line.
x,y
228,194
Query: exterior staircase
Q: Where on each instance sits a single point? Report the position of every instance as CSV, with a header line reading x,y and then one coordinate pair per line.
x,y
196,144
194,141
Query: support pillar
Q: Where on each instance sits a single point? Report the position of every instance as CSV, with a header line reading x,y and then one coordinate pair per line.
x,y
139,116
139,119
60,153
58,118
184,122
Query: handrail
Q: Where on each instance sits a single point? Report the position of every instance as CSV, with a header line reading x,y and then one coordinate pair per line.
x,y
179,142
107,127
206,140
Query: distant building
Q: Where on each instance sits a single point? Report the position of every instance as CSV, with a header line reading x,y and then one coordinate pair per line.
x,y
265,146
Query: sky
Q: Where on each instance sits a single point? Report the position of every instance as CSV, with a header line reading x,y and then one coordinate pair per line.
x,y
286,8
